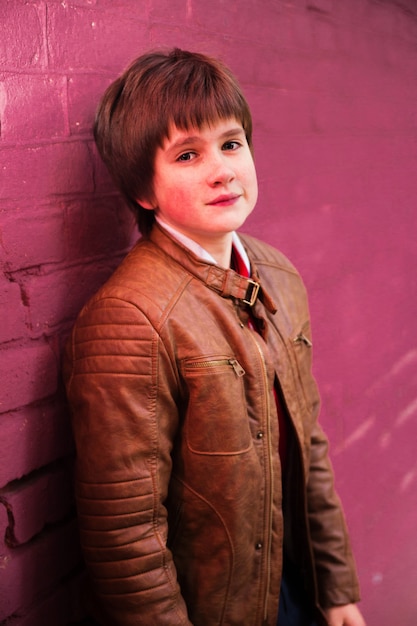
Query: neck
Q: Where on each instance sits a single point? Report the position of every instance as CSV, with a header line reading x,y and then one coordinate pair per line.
x,y
220,250
219,247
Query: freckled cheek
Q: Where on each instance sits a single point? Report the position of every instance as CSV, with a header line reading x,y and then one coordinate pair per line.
x,y
185,191
176,200
251,183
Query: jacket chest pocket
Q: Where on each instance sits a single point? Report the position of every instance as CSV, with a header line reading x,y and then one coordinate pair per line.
x,y
302,349
216,420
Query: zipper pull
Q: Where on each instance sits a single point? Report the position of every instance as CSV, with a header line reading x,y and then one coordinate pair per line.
x,y
239,371
302,338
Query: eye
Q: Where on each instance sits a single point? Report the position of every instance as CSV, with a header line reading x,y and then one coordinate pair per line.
x,y
231,145
187,156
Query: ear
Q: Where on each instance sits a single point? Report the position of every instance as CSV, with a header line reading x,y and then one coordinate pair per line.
x,y
146,204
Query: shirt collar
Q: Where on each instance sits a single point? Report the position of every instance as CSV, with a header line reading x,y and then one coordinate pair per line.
x,y
198,250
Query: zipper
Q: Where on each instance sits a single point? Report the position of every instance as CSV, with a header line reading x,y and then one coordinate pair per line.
x,y
271,477
234,363
301,338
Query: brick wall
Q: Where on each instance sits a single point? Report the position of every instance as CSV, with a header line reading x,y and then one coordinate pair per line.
x,y
333,89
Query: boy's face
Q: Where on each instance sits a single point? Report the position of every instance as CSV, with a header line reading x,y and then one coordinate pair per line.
x,y
205,182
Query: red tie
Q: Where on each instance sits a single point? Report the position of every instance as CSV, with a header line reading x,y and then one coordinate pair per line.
x,y
238,264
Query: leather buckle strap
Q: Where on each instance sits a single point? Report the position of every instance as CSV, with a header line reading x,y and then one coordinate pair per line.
x,y
230,284
251,292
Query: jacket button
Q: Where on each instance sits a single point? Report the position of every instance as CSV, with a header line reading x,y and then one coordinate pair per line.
x,y
259,435
259,545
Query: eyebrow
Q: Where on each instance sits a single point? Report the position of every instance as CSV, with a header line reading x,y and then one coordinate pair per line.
x,y
189,140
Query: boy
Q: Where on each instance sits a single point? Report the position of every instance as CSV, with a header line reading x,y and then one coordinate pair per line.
x,y
204,490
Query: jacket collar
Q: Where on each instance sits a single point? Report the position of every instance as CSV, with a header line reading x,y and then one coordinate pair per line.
x,y
227,282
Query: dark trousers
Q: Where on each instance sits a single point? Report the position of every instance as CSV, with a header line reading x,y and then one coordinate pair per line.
x,y
293,610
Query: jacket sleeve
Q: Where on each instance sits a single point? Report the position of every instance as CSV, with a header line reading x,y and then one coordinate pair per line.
x,y
334,567
334,564
118,379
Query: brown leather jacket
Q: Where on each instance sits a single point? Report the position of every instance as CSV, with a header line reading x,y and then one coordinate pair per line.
x,y
178,485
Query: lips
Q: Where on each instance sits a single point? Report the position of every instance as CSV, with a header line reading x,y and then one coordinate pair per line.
x,y
225,199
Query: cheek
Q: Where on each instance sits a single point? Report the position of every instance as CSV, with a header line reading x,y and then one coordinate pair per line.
x,y
252,189
174,203
183,192
251,179
168,192
175,199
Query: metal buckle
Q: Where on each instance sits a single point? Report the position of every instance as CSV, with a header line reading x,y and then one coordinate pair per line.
x,y
251,292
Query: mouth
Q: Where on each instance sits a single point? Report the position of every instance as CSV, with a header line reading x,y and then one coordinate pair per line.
x,y
225,199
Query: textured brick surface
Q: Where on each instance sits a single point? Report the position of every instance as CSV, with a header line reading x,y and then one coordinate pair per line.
x,y
34,570
32,236
333,90
12,311
71,288
41,500
102,40
28,373
21,35
84,92
33,437
33,106
27,173
62,604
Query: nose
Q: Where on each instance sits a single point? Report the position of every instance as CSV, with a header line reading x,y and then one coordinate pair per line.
x,y
220,170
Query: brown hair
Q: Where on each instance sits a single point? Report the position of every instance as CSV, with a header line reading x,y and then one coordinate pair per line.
x,y
158,89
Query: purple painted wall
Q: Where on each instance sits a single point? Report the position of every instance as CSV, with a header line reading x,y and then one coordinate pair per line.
x,y
333,87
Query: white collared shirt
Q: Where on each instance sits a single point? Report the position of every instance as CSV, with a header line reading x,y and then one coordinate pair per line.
x,y
199,250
